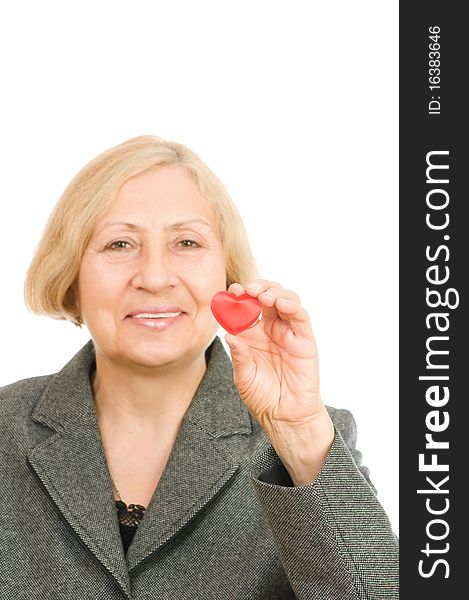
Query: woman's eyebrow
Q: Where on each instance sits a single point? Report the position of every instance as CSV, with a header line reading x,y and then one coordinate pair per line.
x,y
177,225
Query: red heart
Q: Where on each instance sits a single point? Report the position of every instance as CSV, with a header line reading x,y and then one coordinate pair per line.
x,y
235,313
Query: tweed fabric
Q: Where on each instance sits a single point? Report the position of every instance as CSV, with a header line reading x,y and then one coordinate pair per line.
x,y
225,521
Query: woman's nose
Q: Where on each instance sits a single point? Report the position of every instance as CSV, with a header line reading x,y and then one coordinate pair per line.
x,y
154,270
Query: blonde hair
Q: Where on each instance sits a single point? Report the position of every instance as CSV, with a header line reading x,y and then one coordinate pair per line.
x,y
50,286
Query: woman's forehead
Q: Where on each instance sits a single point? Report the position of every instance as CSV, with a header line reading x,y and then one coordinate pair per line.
x,y
168,194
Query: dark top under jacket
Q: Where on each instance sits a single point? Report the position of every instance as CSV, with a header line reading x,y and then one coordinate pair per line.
x,y
225,521
129,518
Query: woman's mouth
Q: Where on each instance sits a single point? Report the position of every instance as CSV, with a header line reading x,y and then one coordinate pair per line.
x,y
156,315
158,321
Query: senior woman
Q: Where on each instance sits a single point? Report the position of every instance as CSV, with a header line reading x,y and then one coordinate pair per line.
x,y
152,465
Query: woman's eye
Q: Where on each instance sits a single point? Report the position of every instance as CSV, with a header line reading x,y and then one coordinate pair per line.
x,y
118,245
189,243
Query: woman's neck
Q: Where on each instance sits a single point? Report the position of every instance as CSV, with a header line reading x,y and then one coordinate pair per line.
x,y
155,401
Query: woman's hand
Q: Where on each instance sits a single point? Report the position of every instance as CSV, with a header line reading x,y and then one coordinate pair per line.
x,y
275,370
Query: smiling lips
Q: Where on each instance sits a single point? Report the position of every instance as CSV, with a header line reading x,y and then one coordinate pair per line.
x,y
156,317
155,311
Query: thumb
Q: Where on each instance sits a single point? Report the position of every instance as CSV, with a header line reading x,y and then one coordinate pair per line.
x,y
240,355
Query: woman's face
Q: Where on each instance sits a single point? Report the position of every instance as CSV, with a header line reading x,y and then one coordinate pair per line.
x,y
156,251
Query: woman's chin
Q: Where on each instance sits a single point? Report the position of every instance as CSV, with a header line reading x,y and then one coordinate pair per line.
x,y
152,357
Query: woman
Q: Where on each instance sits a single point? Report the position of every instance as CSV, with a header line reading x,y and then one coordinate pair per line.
x,y
152,466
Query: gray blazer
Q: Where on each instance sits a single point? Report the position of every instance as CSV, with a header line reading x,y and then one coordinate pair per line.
x,y
224,523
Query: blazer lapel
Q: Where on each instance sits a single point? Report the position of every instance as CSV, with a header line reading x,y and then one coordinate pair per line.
x,y
202,460
72,466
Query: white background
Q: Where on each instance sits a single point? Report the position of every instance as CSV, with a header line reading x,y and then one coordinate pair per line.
x,y
293,105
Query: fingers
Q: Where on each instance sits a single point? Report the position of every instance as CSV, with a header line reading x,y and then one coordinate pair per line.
x,y
236,289
279,302
260,285
254,288
269,292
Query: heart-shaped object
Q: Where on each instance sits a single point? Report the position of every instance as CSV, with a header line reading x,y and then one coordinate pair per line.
x,y
235,313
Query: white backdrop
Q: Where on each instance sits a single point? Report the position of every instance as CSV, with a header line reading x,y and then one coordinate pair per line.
x,y
293,105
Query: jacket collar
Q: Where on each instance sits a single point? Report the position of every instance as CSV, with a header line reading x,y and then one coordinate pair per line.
x,y
72,468
217,418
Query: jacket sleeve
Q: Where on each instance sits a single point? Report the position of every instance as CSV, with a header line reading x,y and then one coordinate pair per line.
x,y
333,537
